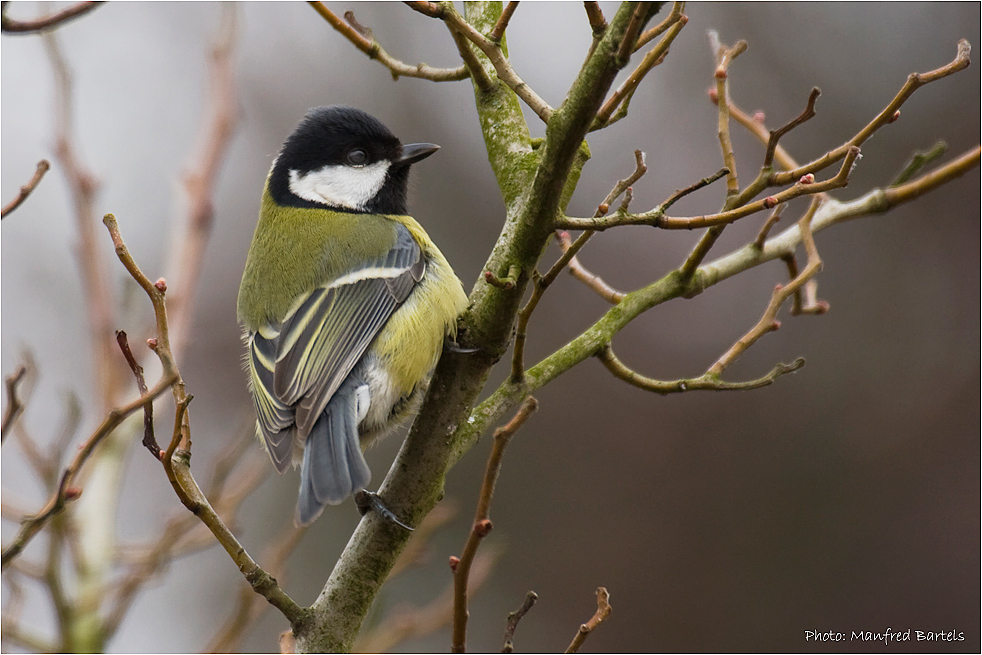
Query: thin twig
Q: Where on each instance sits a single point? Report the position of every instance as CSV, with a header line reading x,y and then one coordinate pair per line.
x,y
704,382
497,57
482,524
66,492
580,272
375,51
888,115
215,136
14,405
677,9
149,441
918,161
511,624
603,611
177,458
657,218
768,224
542,283
499,28
654,57
768,322
26,189
775,135
11,26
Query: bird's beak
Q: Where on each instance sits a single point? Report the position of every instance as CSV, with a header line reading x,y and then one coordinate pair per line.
x,y
414,152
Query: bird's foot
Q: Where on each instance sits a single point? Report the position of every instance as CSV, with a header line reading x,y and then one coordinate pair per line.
x,y
368,500
449,345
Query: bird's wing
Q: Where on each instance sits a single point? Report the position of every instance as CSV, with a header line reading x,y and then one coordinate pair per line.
x,y
298,366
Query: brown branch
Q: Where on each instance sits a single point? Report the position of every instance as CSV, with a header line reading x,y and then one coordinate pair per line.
x,y
656,217
603,611
471,62
482,524
497,58
580,272
775,135
627,88
888,115
498,31
767,226
66,491
92,265
594,14
26,189
149,441
768,322
674,16
755,124
681,193
11,26
215,136
14,404
725,55
514,618
705,382
541,284
375,51
177,458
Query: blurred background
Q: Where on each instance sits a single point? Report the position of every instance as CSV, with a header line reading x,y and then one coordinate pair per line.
x,y
844,497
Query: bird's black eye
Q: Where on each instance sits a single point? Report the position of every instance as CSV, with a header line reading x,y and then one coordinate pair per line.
x,y
357,157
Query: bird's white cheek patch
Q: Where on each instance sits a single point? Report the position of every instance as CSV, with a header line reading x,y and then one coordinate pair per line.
x,y
340,186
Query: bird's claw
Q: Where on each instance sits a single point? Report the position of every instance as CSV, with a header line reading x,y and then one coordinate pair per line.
x,y
369,500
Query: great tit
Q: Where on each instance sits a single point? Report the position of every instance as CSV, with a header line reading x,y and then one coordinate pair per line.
x,y
345,301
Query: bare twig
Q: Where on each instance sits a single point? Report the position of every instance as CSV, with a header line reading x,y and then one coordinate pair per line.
x,y
677,9
11,26
541,284
149,441
603,611
499,28
768,322
775,135
177,461
66,492
375,51
482,524
888,115
514,618
497,57
581,273
705,382
918,161
26,189
14,405
681,193
217,129
650,60
768,224
657,218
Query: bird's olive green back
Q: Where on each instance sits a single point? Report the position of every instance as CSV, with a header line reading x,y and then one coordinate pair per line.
x,y
297,249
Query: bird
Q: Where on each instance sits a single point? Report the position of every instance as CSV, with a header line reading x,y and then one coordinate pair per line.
x,y
345,302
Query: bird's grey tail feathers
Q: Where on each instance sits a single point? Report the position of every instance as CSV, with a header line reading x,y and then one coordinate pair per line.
x,y
333,464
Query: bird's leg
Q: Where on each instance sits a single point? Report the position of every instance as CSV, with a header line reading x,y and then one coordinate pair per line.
x,y
368,500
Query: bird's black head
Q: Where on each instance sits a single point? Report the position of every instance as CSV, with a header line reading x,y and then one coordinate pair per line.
x,y
346,159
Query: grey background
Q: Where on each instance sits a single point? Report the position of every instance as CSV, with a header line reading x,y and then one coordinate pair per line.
x,y
845,497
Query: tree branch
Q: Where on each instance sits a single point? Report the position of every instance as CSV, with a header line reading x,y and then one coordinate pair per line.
x,y
482,524
53,21
26,189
